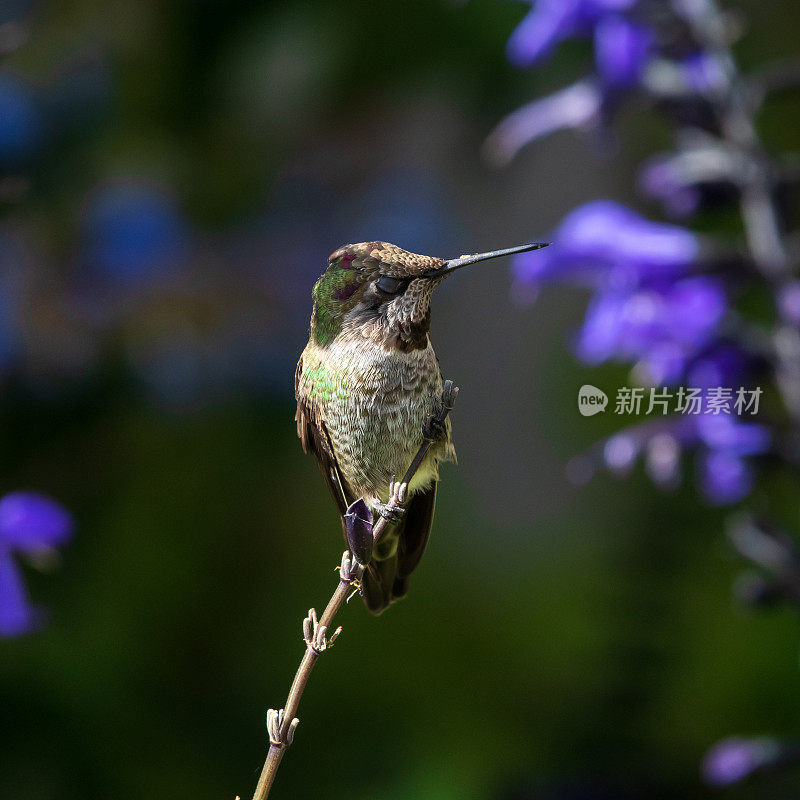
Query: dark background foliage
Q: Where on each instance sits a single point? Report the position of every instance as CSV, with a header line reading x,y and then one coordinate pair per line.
x,y
558,641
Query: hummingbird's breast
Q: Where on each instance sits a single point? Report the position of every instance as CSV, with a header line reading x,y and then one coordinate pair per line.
x,y
375,402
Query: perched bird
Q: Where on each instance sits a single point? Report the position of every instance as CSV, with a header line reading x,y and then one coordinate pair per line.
x,y
366,386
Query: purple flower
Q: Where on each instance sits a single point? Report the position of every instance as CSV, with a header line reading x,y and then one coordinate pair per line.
x,y
29,523
704,73
661,180
577,106
725,475
669,324
722,364
550,22
789,302
605,242
621,51
734,759
723,445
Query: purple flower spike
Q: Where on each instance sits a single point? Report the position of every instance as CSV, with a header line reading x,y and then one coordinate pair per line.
x,y
734,759
29,523
621,50
358,530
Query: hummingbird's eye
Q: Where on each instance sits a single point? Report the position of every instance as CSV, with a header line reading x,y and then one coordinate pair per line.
x,y
389,285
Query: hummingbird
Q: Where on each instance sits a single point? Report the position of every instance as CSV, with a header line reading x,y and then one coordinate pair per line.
x,y
366,386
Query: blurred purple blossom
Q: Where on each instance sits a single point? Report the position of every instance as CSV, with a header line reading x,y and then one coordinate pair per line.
x,y
577,106
550,22
29,524
663,326
723,445
660,180
734,759
621,49
725,475
704,73
606,244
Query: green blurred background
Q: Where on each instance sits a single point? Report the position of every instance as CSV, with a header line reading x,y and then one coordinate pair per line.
x,y
558,642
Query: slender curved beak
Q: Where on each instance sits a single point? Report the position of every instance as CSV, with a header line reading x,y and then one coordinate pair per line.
x,y
463,261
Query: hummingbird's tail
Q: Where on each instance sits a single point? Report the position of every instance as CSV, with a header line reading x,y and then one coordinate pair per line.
x,y
385,580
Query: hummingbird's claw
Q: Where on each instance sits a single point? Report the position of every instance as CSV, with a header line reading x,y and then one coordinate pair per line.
x,y
449,395
276,721
391,511
436,428
398,492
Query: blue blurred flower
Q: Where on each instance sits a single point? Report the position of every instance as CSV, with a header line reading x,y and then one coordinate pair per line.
x,y
703,73
725,475
731,760
723,445
550,22
29,523
134,231
577,106
660,180
663,327
603,243
621,51
20,120
724,363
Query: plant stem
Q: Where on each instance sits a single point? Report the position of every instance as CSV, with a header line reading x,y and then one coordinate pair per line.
x,y
276,750
348,577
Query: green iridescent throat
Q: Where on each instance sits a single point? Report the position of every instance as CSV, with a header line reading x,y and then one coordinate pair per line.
x,y
326,320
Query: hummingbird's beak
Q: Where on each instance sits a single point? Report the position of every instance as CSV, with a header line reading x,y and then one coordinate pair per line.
x,y
463,261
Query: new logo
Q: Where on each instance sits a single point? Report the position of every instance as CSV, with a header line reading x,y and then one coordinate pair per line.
x,y
591,400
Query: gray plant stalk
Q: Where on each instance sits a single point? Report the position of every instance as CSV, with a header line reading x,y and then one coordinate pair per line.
x,y
282,724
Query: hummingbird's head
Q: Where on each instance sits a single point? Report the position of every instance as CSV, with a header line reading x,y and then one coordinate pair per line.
x,y
383,292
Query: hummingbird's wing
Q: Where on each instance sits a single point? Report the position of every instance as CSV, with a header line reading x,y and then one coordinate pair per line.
x,y
314,439
386,580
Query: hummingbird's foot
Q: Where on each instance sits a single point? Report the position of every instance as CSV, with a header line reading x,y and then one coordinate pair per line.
x,y
435,429
280,734
390,511
315,635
